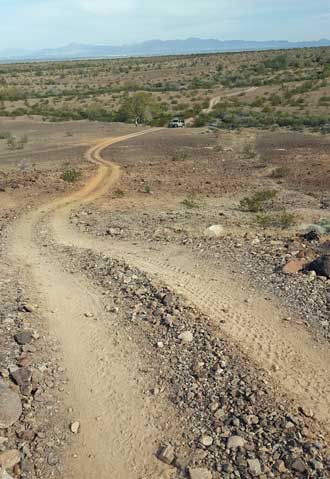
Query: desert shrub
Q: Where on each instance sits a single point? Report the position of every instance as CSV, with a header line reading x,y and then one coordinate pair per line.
x,y
71,175
190,202
256,203
282,220
201,120
118,193
280,172
147,189
249,151
4,135
180,155
15,143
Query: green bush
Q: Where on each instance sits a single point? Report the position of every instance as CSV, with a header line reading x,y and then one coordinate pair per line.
x,y
256,203
282,220
280,172
147,189
71,175
5,136
190,202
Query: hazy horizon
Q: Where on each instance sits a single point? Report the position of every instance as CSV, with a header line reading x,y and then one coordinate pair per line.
x,y
55,23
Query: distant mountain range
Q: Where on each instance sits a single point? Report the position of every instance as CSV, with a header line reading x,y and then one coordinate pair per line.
x,y
154,47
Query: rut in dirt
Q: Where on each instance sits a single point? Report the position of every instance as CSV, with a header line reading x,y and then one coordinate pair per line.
x,y
105,388
96,389
294,360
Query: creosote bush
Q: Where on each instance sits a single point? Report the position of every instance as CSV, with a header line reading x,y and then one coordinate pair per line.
x,y
71,175
257,202
191,202
282,220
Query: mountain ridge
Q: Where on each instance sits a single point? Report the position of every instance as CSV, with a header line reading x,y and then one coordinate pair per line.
x,y
155,48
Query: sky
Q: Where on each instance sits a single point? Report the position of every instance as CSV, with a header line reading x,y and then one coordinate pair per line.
x,y
37,24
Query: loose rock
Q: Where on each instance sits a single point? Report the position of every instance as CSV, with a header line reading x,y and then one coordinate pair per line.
x,y
24,337
235,442
9,459
186,337
74,427
254,467
199,473
166,454
10,406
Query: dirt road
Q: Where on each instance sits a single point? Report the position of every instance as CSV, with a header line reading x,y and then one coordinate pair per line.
x,y
103,368
214,101
103,379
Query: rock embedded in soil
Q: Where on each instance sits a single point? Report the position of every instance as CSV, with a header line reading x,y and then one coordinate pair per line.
x,y
294,266
9,459
22,376
186,337
199,473
206,440
23,337
74,427
254,467
166,454
10,406
215,231
234,442
299,465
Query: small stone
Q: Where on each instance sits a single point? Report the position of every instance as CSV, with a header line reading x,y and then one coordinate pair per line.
x,y
317,465
199,473
52,459
219,414
299,465
23,337
22,376
166,454
74,427
306,412
9,459
280,466
294,266
186,337
254,467
206,440
27,308
10,406
215,231
181,463
168,299
234,442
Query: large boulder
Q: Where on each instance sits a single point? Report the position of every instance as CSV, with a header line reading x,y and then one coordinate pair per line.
x,y
321,266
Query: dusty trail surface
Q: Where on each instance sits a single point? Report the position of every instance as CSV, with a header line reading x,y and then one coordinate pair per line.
x,y
105,389
103,379
259,326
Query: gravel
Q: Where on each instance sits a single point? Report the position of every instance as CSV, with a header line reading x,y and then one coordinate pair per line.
x,y
248,429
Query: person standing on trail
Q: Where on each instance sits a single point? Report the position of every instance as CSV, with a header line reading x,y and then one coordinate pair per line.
x,y
136,122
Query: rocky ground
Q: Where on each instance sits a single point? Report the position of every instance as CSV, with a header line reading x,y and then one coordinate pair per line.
x,y
247,250
34,426
32,434
235,423
234,426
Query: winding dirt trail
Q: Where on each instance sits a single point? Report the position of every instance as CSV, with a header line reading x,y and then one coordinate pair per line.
x,y
104,379
105,386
